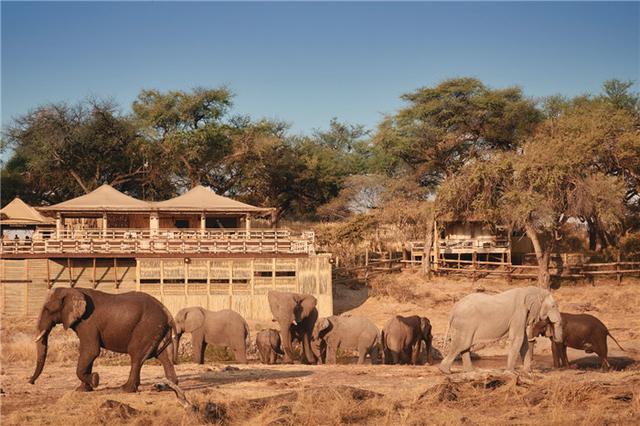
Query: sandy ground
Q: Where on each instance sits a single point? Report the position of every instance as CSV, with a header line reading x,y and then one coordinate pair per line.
x,y
581,394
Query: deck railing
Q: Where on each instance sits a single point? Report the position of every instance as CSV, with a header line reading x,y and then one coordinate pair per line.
x,y
161,241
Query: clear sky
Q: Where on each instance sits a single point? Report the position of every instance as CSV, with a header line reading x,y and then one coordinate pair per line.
x,y
308,62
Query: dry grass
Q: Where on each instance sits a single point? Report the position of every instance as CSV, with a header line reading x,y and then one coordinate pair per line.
x,y
315,395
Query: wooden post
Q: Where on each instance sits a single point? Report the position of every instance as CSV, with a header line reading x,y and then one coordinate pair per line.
x,y
618,274
273,273
474,264
49,284
208,284
104,225
69,268
93,274
26,287
58,226
162,280
436,245
137,274
115,272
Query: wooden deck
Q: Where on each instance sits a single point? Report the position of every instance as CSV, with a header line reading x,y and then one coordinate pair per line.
x,y
163,242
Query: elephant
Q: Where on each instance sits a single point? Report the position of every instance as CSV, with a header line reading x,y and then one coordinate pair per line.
x,y
402,339
480,318
222,328
269,346
579,331
345,332
134,323
297,314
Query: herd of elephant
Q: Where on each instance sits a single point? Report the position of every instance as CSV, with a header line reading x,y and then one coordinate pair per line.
x,y
137,324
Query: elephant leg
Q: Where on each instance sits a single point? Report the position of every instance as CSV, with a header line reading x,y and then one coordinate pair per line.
x,y
332,354
602,354
467,365
134,374
167,365
286,344
563,355
273,357
516,337
526,354
374,354
362,353
198,346
458,345
387,357
555,353
307,353
240,354
88,353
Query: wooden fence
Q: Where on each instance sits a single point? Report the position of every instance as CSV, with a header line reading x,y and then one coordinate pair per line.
x,y
476,269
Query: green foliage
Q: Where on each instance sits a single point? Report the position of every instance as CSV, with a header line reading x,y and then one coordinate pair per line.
x,y
446,126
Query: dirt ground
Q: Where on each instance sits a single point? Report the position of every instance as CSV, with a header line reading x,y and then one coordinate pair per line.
x,y
229,393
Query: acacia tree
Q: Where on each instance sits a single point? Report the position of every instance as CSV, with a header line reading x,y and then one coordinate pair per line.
x,y
444,127
558,174
60,151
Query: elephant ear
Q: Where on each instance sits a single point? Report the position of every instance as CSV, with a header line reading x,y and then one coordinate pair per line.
x,y
74,306
193,319
324,324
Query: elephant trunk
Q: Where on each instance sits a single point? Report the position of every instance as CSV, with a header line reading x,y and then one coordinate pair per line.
x,y
557,332
41,347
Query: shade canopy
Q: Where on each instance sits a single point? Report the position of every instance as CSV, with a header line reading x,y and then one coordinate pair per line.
x,y
202,199
105,199
17,212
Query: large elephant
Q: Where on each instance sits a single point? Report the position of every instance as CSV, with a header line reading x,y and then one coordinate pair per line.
x,y
345,332
133,323
480,318
402,339
579,331
297,314
221,328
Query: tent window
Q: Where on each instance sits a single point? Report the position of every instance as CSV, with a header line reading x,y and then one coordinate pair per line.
x,y
182,223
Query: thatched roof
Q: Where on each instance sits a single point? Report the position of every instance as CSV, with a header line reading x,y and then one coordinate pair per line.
x,y
202,199
17,212
103,199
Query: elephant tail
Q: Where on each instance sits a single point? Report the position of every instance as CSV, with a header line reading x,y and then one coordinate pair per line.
x,y
169,336
614,339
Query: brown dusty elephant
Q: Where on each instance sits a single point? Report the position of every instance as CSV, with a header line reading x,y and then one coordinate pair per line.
x,y
221,328
269,346
133,323
345,332
402,339
579,331
297,314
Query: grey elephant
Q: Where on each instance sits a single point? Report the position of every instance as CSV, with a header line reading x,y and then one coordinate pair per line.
x,y
222,328
297,314
269,346
345,332
402,339
480,318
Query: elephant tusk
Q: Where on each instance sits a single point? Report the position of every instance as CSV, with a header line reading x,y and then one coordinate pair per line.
x,y
40,336
294,322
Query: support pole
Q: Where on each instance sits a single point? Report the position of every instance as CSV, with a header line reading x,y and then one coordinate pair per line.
x,y
69,268
49,284
93,274
115,272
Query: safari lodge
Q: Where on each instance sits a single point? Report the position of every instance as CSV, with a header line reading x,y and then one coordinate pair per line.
x,y
199,248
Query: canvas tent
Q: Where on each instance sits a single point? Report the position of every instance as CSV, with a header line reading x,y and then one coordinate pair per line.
x,y
19,213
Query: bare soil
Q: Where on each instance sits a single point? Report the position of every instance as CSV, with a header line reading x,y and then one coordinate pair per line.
x,y
229,393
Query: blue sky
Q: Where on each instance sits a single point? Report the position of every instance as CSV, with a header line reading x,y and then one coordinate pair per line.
x,y
308,62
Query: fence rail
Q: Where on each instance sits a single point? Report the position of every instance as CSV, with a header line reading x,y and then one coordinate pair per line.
x,y
145,241
479,268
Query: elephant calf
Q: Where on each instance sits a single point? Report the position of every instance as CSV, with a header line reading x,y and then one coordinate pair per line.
x,y
346,332
579,331
402,339
222,328
269,346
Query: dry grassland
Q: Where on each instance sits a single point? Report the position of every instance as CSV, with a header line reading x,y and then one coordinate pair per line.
x,y
225,393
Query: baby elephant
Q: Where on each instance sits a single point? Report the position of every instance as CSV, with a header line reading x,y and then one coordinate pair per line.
x,y
402,339
346,332
268,343
222,328
579,331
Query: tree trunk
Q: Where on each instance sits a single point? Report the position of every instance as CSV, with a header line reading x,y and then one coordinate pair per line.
x,y
543,254
593,234
426,252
